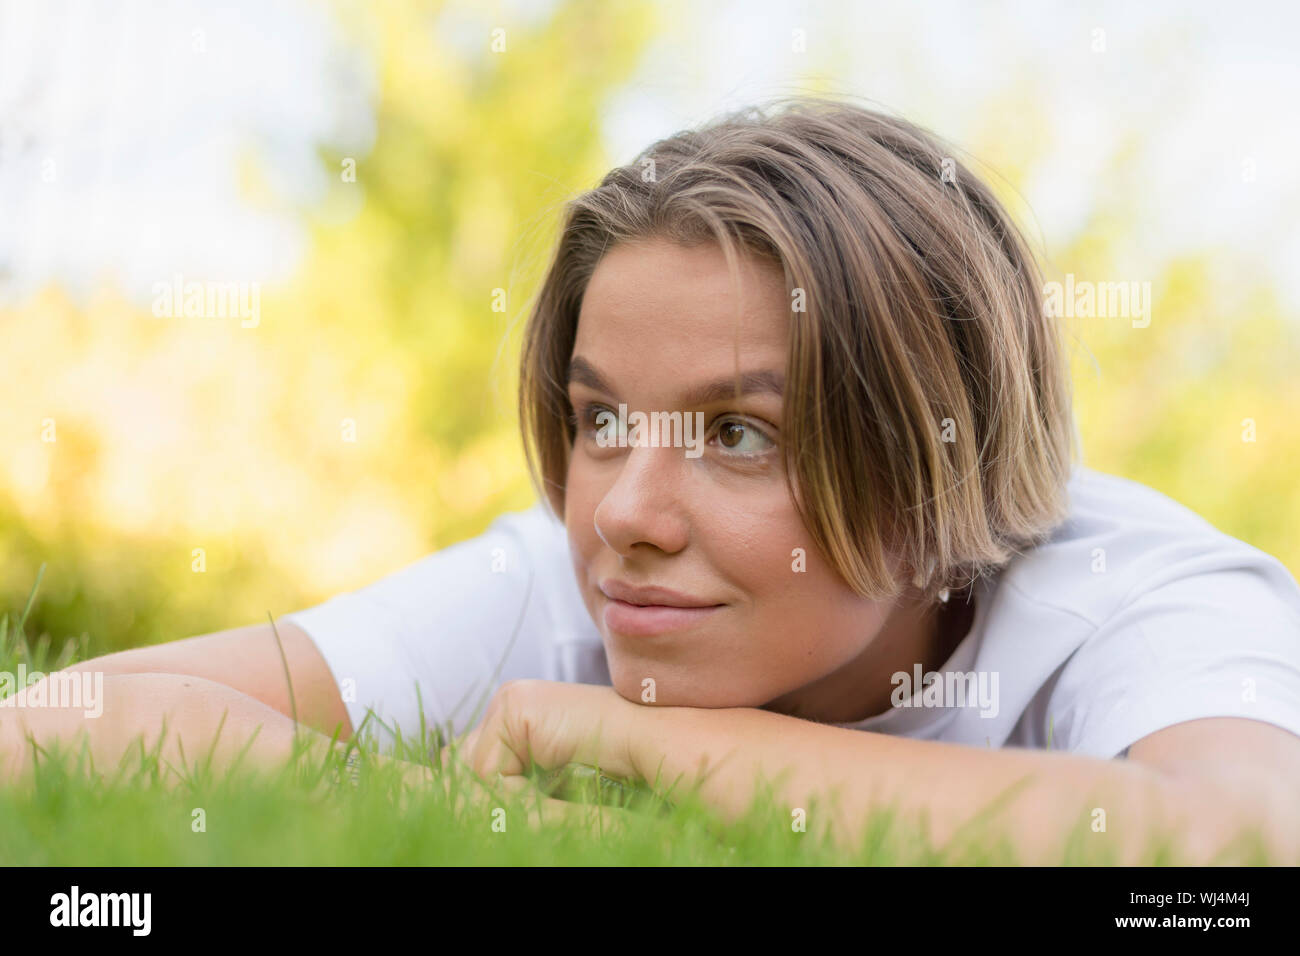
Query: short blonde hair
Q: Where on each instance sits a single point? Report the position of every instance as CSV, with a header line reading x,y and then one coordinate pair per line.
x,y
927,400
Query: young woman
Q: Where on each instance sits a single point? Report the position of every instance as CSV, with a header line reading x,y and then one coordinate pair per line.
x,y
848,548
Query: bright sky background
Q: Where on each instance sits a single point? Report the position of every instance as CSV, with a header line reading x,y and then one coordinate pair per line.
x,y
139,114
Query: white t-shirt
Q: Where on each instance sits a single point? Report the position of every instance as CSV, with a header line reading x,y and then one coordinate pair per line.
x,y
1136,615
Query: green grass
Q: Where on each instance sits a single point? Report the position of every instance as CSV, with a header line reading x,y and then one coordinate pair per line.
x,y
309,813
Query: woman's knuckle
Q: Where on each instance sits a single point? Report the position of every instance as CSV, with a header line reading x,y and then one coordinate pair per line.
x,y
519,690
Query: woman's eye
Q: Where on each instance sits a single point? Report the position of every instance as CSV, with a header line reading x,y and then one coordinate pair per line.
x,y
737,437
588,419
742,438
603,424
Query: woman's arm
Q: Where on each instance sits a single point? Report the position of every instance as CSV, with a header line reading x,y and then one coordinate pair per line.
x,y
247,659
201,717
1201,783
1203,798
188,721
239,674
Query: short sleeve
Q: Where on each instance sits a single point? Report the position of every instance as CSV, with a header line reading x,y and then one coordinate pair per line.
x,y
439,636
1221,643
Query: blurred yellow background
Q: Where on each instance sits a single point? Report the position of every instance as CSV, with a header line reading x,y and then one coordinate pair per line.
x,y
182,475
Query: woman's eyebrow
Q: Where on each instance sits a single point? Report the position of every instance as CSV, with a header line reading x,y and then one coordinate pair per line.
x,y
582,372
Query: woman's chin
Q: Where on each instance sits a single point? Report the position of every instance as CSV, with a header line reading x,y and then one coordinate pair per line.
x,y
665,692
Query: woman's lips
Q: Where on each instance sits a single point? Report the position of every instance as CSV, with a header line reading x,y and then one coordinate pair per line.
x,y
634,620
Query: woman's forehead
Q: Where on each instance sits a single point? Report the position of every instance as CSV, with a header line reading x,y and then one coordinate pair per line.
x,y
636,278
680,304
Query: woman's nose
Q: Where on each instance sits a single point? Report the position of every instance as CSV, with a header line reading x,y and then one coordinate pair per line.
x,y
643,506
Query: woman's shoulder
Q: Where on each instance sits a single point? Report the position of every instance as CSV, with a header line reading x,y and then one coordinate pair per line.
x,y
1122,540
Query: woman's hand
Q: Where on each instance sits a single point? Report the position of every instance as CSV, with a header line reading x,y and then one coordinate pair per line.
x,y
577,739
544,725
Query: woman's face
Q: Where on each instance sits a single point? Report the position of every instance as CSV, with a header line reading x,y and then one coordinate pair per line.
x,y
657,332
